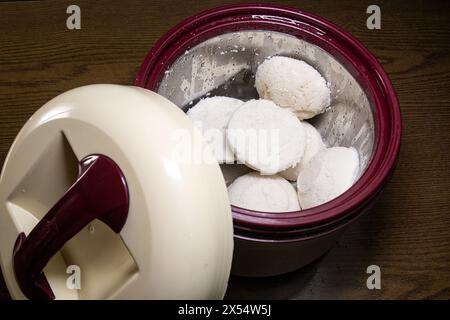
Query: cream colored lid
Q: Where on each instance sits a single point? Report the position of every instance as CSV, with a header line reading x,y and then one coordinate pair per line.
x,y
177,242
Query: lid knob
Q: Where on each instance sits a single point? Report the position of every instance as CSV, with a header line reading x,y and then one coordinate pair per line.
x,y
100,192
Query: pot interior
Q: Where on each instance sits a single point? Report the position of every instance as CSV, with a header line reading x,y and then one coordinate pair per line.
x,y
226,65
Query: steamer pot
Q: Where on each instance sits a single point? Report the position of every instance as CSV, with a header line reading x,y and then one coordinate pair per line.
x,y
217,52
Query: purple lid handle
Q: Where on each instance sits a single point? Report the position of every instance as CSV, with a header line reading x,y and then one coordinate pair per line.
x,y
100,192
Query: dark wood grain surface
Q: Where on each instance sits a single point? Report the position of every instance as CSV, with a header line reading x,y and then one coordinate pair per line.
x,y
407,234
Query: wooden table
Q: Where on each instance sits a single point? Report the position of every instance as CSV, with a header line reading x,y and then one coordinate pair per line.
x,y
407,235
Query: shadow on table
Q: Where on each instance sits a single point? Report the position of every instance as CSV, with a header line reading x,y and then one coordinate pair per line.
x,y
285,286
4,294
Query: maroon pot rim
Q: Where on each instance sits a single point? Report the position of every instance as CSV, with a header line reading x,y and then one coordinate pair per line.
x,y
293,235
345,48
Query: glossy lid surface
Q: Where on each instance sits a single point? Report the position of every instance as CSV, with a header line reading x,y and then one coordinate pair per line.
x,y
177,241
